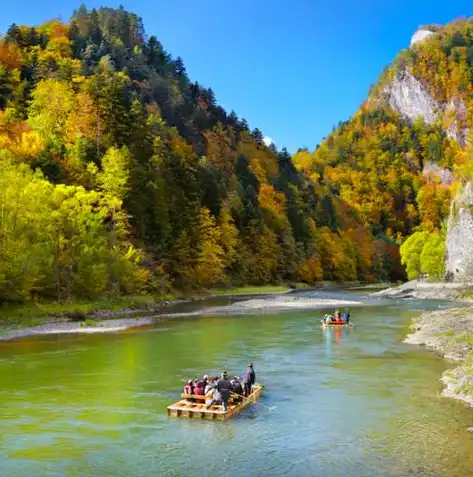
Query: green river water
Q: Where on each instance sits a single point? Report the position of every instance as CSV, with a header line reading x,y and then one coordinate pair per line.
x,y
353,403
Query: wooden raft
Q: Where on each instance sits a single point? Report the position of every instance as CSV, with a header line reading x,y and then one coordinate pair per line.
x,y
333,325
196,408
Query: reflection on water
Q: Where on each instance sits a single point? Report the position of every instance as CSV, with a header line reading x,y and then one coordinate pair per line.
x,y
339,402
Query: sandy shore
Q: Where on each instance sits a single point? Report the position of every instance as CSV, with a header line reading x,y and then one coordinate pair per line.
x,y
450,333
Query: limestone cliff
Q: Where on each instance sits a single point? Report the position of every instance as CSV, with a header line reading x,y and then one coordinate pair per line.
x,y
459,260
420,35
412,100
406,95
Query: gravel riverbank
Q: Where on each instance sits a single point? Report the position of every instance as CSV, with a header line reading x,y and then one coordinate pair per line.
x,y
64,326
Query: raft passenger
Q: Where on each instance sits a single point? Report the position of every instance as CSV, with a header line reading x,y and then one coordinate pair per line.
x,y
346,317
249,379
189,387
214,395
204,381
199,390
211,385
224,387
237,388
337,319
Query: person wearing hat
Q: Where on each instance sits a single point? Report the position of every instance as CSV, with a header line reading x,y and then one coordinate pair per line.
x,y
224,387
249,379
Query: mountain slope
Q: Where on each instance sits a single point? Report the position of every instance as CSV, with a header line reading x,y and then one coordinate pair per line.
x,y
405,154
144,182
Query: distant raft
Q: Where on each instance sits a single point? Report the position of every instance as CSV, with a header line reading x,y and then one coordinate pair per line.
x,y
336,325
193,407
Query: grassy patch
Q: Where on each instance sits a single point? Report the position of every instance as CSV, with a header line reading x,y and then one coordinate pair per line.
x,y
467,293
466,338
35,313
465,388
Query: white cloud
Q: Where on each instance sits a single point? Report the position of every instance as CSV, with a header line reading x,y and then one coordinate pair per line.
x,y
267,140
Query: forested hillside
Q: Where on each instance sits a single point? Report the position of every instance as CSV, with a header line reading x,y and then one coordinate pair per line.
x,y
121,175
403,156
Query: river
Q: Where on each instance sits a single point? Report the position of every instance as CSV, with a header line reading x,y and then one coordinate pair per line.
x,y
353,403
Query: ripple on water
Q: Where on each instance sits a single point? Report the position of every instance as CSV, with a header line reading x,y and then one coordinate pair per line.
x,y
354,403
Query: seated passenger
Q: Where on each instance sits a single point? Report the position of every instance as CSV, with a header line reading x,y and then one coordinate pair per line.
x,y
189,387
237,388
211,385
199,389
338,318
215,397
203,382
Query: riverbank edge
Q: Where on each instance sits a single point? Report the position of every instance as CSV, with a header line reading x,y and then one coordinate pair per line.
x,y
103,316
422,289
450,334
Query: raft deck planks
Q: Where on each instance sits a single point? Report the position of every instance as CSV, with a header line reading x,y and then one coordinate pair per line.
x,y
197,409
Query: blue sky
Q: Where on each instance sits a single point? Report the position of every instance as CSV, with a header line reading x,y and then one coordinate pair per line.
x,y
293,68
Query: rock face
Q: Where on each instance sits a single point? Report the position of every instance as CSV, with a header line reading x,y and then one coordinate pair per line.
x,y
434,171
460,235
409,97
419,36
406,95
457,130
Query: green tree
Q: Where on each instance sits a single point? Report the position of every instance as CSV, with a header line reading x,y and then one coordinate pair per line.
x,y
210,258
432,258
411,251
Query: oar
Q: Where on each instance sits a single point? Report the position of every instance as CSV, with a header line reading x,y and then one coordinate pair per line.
x,y
256,402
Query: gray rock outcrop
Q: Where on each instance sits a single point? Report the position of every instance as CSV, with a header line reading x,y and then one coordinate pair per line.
x,y
459,244
457,130
406,95
441,173
420,35
409,97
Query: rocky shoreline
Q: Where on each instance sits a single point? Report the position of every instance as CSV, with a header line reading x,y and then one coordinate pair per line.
x,y
449,333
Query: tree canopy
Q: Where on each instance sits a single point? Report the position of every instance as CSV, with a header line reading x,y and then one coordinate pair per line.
x,y
120,173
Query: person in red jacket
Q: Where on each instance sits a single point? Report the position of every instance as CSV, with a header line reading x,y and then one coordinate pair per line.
x,y
198,389
189,387
338,318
